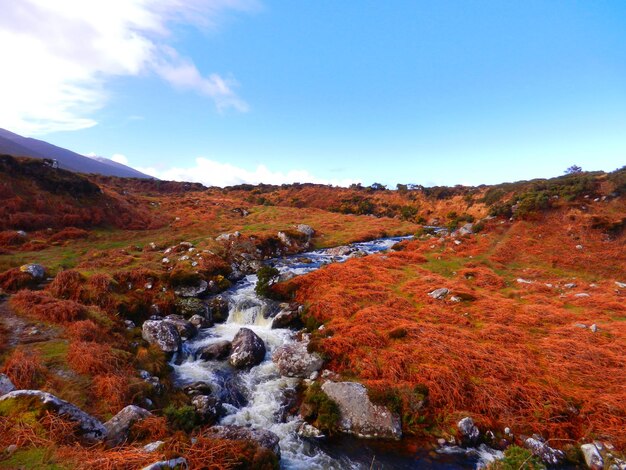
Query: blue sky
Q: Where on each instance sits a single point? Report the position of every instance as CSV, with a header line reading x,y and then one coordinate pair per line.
x,y
226,91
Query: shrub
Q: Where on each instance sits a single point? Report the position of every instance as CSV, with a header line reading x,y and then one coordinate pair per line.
x,y
516,458
182,418
67,285
267,277
398,333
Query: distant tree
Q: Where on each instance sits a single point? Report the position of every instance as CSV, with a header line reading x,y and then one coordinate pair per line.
x,y
402,188
572,170
378,187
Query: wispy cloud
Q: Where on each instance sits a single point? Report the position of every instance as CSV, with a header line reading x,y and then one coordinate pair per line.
x,y
214,173
57,56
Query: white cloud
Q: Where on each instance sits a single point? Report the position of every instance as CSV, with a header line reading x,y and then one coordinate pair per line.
x,y
58,55
119,158
214,173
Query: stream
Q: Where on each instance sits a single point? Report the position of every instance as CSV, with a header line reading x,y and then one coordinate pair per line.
x,y
257,398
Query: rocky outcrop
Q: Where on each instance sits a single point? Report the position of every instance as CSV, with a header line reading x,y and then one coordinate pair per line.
x,y
359,416
593,457
247,349
306,230
340,251
215,351
288,317
119,425
200,322
293,360
89,427
439,294
266,439
161,333
179,463
207,408
6,385
186,330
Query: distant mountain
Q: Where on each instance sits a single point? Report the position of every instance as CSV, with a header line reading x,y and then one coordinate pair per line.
x,y
18,146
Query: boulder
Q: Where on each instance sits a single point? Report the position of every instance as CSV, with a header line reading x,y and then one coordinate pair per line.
x,y
306,230
284,238
200,322
266,439
198,388
215,351
192,291
287,318
37,271
228,236
190,306
119,425
309,431
592,455
177,463
161,333
218,309
153,446
339,251
359,416
538,446
467,229
185,328
89,427
6,385
468,430
439,294
293,360
208,408
247,349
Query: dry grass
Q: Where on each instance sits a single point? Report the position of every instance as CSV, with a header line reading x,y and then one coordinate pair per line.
x,y
25,369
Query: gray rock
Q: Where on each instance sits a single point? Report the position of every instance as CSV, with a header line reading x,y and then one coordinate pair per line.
x,y
198,388
467,229
192,291
208,408
288,317
306,229
284,238
594,328
542,450
161,333
293,360
89,427
190,306
340,251
592,455
218,308
439,294
153,446
185,328
263,437
215,351
178,463
621,285
468,430
570,285
306,430
247,349
228,236
359,416
6,385
35,270
200,322
119,425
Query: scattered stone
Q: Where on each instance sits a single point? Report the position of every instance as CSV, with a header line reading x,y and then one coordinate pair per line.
x,y
208,408
580,325
215,351
339,251
457,242
177,463
192,291
538,447
37,271
359,416
153,446
266,439
164,334
579,247
119,425
621,285
523,281
129,324
592,455
247,349
6,386
186,330
198,388
455,298
582,295
594,328
309,431
293,360
284,238
439,294
468,430
10,450
228,236
306,229
467,229
570,285
89,427
165,260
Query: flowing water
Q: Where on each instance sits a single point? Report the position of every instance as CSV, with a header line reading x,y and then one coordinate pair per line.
x,y
259,398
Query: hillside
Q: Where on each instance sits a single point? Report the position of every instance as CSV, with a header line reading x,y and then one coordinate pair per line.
x,y
18,146
529,334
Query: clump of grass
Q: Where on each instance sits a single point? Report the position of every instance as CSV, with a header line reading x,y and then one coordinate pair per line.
x,y
25,369
517,458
